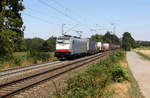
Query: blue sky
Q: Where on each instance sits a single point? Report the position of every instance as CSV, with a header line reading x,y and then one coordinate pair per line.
x,y
128,15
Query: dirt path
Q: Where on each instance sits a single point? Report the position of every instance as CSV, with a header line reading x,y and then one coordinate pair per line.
x,y
141,71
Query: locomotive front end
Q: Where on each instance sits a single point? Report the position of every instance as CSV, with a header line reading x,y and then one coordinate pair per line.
x,y
63,47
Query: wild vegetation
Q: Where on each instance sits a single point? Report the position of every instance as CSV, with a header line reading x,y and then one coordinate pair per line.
x,y
38,44
26,59
97,80
33,51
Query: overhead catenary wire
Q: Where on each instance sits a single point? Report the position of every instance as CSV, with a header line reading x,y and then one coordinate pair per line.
x,y
57,10
72,28
62,6
40,12
58,3
67,15
38,18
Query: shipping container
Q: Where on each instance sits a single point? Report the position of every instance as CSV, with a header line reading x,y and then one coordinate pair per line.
x,y
106,47
91,47
99,46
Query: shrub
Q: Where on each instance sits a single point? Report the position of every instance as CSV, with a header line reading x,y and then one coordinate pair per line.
x,y
38,56
89,83
17,61
119,73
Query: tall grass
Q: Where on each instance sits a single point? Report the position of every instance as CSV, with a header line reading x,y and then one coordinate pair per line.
x,y
38,56
92,82
26,58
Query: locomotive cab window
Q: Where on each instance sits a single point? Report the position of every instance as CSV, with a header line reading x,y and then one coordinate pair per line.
x,y
59,41
63,40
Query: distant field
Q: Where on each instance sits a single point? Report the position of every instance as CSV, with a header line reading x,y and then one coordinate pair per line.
x,y
143,48
144,52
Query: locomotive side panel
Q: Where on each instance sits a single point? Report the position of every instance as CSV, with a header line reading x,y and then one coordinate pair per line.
x,y
76,45
92,47
79,46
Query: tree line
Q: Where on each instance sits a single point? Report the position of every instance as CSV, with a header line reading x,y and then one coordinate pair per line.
x,y
143,43
108,38
38,44
127,42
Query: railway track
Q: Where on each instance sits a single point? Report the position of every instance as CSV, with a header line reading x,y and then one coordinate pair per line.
x,y
10,88
25,68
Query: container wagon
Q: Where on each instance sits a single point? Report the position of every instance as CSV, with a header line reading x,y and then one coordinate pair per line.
x,y
91,47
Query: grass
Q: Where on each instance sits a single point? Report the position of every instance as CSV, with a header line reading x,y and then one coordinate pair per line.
x,y
144,52
26,58
144,56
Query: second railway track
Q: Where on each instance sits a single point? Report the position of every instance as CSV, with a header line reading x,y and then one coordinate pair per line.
x,y
25,68
12,87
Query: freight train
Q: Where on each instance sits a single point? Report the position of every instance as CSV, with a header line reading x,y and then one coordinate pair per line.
x,y
71,46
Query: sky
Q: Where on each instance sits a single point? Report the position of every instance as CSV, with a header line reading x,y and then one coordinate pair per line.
x,y
44,18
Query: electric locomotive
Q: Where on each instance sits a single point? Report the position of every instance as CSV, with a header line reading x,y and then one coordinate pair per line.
x,y
70,46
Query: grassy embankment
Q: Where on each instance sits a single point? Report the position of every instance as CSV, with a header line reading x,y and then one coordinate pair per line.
x,y
144,52
26,58
109,78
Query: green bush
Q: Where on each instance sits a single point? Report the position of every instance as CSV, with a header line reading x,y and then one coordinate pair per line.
x,y
119,73
87,84
38,56
16,61
117,56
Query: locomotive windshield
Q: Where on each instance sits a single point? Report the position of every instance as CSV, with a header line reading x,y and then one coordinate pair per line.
x,y
63,40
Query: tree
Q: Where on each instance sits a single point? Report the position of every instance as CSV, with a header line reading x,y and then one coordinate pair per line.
x,y
111,38
128,42
97,37
50,44
11,25
5,34
35,44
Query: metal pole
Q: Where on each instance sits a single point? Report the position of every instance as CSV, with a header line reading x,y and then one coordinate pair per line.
x,y
62,29
114,27
80,33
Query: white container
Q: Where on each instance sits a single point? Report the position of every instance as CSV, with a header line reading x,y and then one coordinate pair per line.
x,y
99,46
105,46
